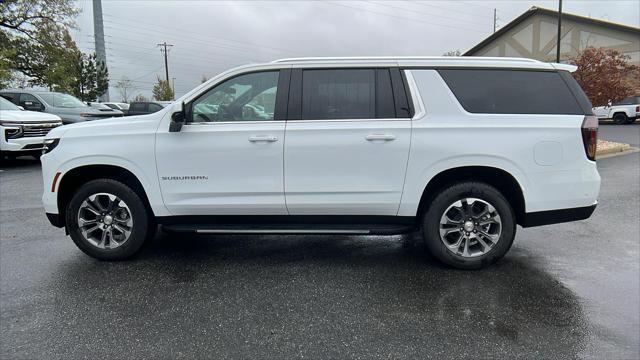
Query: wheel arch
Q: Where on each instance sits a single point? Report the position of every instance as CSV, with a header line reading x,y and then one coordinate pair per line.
x,y
502,180
77,176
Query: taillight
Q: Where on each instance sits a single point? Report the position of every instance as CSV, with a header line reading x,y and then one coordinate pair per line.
x,y
590,136
638,108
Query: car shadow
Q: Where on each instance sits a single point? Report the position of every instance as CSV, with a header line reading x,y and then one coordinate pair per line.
x,y
319,296
19,162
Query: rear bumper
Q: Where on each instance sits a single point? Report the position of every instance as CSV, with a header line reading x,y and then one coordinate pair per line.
x,y
540,218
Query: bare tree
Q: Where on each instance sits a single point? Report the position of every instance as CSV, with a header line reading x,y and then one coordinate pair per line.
x,y
140,97
124,86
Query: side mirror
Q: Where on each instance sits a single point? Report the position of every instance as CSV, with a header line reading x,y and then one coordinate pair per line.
x,y
177,120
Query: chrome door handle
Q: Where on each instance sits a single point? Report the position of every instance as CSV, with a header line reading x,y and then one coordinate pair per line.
x,y
385,137
266,138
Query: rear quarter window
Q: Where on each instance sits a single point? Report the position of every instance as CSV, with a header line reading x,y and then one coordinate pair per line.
x,y
503,91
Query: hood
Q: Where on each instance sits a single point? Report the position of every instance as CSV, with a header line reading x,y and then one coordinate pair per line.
x,y
105,126
27,116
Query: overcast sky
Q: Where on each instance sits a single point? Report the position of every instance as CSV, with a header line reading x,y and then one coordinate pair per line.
x,y
211,36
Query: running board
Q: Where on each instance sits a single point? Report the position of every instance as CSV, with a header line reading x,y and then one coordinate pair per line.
x,y
355,229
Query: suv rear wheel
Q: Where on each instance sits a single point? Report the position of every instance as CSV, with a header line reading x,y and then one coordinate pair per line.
x,y
107,220
469,225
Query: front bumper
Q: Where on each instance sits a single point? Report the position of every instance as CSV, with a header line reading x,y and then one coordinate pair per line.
x,y
549,217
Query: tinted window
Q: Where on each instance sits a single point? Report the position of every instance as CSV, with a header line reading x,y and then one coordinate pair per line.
x,y
247,97
154,107
511,91
631,100
28,99
11,97
338,94
137,107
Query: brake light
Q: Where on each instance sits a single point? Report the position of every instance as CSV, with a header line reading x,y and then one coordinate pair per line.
x,y
590,136
638,108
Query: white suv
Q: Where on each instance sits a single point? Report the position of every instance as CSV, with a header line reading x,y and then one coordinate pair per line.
x,y
22,132
461,148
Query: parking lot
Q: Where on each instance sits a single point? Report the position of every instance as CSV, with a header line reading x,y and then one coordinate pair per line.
x,y
564,291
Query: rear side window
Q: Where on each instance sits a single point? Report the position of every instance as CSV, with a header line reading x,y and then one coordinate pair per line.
x,y
498,91
339,94
137,107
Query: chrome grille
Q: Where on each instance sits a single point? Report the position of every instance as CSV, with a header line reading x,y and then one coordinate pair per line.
x,y
37,130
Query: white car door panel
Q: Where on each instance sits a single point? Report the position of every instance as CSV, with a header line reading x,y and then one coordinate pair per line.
x,y
345,167
228,158
347,155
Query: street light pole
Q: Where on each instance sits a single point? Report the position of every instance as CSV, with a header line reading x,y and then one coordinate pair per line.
x,y
559,31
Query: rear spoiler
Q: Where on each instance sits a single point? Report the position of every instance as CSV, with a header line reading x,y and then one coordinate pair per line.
x,y
566,67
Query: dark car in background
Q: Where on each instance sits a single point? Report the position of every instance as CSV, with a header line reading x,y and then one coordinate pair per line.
x,y
69,108
146,107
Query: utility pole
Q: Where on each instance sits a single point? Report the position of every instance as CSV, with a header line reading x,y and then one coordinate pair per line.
x,y
559,31
166,65
173,87
98,33
495,18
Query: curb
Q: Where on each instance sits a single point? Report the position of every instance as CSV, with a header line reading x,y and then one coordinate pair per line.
x,y
608,154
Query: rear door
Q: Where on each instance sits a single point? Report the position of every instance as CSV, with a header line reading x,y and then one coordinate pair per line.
x,y
347,142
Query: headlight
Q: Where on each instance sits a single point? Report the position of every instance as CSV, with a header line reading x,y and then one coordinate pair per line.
x,y
12,131
49,144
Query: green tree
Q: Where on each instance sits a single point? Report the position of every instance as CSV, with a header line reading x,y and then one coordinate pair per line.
x,y
162,90
91,77
36,32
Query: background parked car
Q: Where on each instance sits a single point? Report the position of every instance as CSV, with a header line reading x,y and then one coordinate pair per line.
x,y
624,111
22,132
66,106
146,107
104,107
124,107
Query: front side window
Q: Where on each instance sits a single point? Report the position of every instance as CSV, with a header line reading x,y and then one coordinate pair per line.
x,y
62,100
338,94
247,97
154,107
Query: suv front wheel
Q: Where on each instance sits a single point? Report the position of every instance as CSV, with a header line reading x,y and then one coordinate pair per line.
x,y
469,225
107,220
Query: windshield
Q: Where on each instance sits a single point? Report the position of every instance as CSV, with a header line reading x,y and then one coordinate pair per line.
x,y
7,105
62,100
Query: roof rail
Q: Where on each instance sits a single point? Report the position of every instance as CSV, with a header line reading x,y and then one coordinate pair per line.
x,y
393,58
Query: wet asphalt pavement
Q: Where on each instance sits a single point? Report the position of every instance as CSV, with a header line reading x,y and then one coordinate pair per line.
x,y
563,291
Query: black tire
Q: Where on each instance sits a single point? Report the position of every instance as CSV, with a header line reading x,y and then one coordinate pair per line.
x,y
142,223
620,119
631,120
482,191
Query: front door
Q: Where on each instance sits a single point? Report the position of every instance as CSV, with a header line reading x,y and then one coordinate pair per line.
x,y
347,152
228,157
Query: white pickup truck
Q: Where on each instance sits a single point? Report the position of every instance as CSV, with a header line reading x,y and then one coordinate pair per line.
x,y
622,112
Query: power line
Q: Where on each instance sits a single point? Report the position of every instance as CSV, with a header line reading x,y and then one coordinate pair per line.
x,y
421,12
401,17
